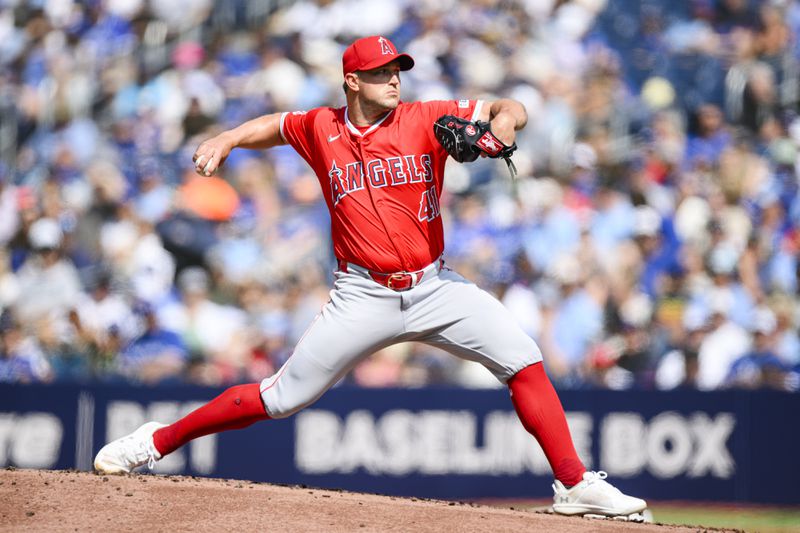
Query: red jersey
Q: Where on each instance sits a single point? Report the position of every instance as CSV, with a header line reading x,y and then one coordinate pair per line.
x,y
382,185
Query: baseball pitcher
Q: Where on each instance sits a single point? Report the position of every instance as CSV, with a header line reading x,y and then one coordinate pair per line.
x,y
380,163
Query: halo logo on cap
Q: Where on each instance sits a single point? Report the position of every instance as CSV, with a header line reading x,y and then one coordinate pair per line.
x,y
372,52
386,48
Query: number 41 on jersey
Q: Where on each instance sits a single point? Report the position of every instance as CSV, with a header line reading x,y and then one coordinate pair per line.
x,y
429,204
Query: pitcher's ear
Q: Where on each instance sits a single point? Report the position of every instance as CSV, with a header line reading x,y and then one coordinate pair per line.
x,y
351,81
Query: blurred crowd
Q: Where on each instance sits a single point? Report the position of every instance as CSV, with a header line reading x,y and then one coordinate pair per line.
x,y
651,240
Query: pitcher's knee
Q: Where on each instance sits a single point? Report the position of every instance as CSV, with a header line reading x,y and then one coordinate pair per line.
x,y
283,398
280,407
512,366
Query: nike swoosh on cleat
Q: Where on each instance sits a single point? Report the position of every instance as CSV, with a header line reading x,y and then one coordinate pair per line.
x,y
332,138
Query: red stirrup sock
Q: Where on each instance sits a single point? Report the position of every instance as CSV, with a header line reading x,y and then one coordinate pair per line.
x,y
236,408
540,411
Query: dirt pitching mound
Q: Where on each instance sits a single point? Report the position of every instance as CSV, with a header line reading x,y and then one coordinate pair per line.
x,y
37,500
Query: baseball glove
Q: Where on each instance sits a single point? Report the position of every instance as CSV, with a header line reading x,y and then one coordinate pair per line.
x,y
465,140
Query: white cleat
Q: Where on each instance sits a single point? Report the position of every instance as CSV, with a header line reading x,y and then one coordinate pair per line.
x,y
596,498
126,453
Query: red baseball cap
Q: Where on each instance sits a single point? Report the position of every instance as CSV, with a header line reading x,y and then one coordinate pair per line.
x,y
372,52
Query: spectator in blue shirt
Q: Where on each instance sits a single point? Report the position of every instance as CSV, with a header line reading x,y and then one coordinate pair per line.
x,y
659,254
710,139
156,355
572,323
21,358
761,367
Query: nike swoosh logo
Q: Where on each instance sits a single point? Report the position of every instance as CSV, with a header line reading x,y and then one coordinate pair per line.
x,y
332,138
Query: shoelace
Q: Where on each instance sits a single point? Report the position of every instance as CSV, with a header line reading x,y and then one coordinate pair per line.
x,y
601,475
142,451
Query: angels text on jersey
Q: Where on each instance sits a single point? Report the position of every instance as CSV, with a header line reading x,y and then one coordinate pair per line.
x,y
347,178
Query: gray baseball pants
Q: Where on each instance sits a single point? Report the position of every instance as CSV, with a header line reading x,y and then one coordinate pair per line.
x,y
443,310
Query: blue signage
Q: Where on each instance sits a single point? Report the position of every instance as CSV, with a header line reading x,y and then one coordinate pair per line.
x,y
437,443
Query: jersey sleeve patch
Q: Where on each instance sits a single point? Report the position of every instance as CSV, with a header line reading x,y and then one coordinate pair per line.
x,y
463,104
